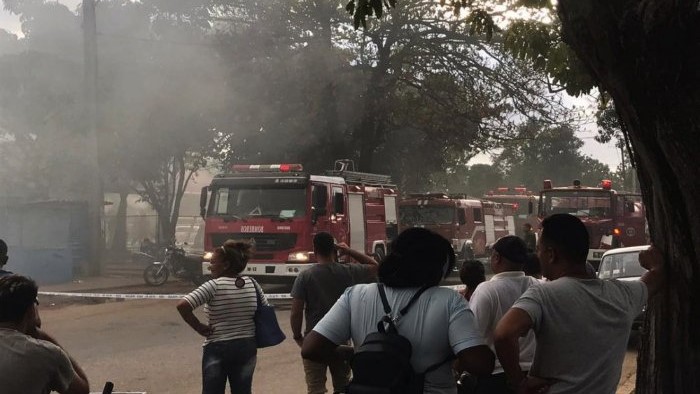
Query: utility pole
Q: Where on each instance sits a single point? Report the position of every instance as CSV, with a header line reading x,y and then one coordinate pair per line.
x,y
94,183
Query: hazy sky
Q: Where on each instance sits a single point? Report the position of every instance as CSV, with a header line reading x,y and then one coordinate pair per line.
x,y
607,153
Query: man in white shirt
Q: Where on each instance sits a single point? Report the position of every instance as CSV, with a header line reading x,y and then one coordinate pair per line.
x,y
493,298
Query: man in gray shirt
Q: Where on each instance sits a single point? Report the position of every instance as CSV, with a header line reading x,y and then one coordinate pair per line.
x,y
581,323
315,291
31,361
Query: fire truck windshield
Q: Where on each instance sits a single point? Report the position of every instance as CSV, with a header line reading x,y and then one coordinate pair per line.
x,y
582,203
520,202
426,214
264,201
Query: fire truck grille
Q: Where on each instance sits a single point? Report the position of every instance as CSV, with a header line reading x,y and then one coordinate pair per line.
x,y
263,242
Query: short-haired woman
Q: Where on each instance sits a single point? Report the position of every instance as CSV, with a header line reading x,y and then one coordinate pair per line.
x,y
230,303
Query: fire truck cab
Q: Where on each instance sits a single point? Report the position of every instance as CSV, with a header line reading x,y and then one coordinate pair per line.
x,y
523,200
471,225
613,219
280,208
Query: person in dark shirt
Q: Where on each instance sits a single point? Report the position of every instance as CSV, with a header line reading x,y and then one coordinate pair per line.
x,y
3,259
471,274
315,291
529,238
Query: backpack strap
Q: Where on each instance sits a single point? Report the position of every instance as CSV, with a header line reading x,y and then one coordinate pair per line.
x,y
391,320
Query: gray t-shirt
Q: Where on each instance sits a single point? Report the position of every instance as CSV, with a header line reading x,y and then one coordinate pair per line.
x,y
321,285
438,324
29,365
582,327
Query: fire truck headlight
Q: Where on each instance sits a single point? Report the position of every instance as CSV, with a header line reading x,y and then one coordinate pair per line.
x,y
299,256
207,256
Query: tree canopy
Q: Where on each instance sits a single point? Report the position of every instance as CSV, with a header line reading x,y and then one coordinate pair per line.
x,y
644,56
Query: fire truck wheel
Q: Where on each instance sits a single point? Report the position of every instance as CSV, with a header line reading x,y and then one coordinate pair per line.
x,y
379,253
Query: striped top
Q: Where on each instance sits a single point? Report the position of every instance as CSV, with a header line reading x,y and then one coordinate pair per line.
x,y
230,309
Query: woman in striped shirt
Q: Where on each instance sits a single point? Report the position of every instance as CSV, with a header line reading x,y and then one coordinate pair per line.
x,y
230,303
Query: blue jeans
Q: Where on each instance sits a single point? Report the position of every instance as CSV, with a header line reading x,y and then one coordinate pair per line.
x,y
233,360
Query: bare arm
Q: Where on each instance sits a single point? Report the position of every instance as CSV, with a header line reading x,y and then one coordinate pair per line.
x,y
514,324
296,318
359,257
188,316
653,261
477,360
318,348
79,384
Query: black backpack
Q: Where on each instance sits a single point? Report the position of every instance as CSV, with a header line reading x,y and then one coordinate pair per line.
x,y
382,364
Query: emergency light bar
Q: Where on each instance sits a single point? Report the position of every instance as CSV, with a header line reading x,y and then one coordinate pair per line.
x,y
267,167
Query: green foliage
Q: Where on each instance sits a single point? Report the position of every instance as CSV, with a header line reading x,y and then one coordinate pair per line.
x,y
549,153
608,123
534,3
474,180
540,44
481,23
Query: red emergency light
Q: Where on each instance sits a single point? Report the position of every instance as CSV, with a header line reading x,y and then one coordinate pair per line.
x,y
267,167
606,184
547,184
521,190
502,189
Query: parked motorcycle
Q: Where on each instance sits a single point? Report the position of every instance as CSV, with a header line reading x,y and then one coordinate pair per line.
x,y
178,263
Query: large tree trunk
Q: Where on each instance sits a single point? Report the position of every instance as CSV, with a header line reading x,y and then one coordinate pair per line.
x,y
646,54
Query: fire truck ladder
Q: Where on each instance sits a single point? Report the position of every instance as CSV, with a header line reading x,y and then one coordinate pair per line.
x,y
346,170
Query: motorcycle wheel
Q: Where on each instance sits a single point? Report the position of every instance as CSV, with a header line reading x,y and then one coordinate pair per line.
x,y
155,275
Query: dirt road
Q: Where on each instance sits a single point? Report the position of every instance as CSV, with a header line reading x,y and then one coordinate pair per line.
x,y
144,346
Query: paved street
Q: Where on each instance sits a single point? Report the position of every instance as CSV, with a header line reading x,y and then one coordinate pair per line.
x,y
144,346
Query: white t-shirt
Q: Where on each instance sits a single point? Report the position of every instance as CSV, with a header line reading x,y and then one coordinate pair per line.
x,y
230,308
582,327
438,324
492,299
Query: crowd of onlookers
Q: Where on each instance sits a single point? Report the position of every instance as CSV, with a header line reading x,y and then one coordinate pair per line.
x,y
542,323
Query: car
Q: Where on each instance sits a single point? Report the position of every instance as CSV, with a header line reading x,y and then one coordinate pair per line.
x,y
623,264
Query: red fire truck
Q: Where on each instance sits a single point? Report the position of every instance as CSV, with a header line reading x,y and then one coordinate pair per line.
x,y
613,219
280,208
470,224
524,201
